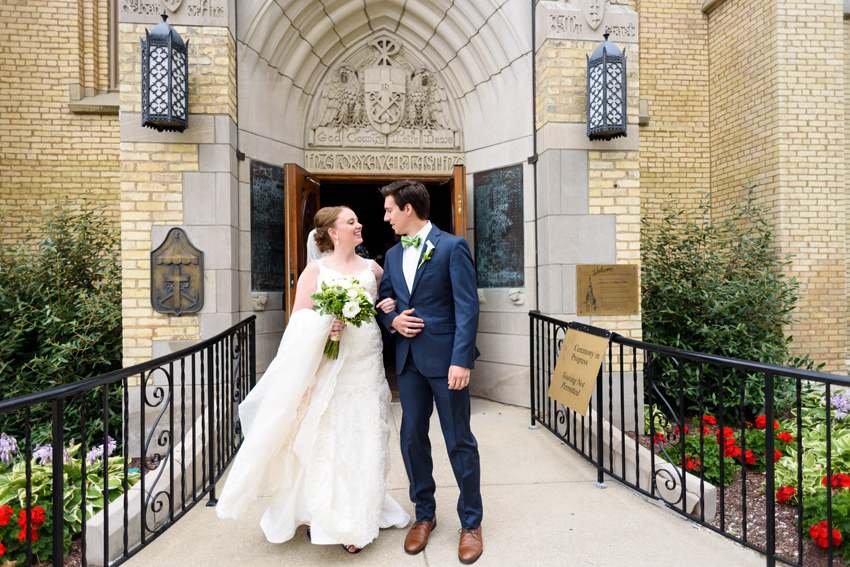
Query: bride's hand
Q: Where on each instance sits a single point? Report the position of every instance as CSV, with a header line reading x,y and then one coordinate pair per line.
x,y
337,328
387,305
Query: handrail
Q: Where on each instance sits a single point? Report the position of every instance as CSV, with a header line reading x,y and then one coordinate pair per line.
x,y
65,390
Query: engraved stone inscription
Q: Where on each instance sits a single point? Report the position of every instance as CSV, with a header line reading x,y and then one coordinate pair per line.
x,y
368,162
586,20
180,12
499,253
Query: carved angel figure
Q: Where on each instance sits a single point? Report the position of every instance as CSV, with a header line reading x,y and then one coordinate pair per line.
x,y
341,100
427,103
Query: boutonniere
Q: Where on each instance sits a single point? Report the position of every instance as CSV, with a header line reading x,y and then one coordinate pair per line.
x,y
429,251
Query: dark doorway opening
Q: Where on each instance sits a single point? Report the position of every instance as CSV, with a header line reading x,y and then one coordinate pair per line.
x,y
364,198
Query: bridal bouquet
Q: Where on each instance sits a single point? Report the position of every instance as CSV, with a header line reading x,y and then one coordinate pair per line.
x,y
345,299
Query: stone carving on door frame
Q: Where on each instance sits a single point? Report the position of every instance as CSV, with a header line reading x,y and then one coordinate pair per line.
x,y
192,12
585,20
382,98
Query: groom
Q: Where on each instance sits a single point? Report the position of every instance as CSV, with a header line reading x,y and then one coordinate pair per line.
x,y
431,276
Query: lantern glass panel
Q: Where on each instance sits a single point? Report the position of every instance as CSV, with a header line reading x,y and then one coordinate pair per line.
x,y
159,80
595,98
178,85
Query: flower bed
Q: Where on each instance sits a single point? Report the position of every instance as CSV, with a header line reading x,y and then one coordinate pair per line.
x,y
13,544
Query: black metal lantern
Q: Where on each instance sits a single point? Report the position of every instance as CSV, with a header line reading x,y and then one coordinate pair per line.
x,y
165,79
606,92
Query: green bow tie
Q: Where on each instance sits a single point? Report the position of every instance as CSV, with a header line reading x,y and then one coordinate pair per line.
x,y
415,242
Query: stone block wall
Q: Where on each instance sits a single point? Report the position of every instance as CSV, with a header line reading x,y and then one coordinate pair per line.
x,y
52,53
187,179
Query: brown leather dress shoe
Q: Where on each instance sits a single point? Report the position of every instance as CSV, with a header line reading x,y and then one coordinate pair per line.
x,y
417,537
471,546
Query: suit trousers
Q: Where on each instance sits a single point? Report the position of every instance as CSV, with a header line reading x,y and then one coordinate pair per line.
x,y
419,394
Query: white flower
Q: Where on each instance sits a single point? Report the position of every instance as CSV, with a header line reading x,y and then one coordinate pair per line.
x,y
341,283
429,246
367,296
350,310
351,293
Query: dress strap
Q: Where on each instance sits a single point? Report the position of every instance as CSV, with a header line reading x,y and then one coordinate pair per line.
x,y
320,263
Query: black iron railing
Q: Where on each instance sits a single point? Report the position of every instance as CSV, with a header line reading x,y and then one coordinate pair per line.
x,y
179,423
636,377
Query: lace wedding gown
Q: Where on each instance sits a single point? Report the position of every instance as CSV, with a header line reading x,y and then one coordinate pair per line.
x,y
317,435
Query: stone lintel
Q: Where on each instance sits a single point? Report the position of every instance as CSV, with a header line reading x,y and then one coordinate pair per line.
x,y
195,13
566,136
201,130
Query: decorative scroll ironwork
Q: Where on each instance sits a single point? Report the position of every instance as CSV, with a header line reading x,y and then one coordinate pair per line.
x,y
155,501
177,275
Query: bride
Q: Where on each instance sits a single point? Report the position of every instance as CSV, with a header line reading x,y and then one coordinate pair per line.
x,y
316,432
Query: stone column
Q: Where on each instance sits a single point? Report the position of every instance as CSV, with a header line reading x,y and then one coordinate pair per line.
x,y
588,205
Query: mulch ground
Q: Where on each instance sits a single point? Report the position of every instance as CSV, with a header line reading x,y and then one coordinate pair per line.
x,y
732,516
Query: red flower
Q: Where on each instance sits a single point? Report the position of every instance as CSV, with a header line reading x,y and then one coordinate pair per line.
x,y
692,463
776,455
750,458
6,513
676,431
22,537
725,434
760,423
706,431
659,438
2,550
709,420
732,451
38,516
785,436
819,535
839,481
784,494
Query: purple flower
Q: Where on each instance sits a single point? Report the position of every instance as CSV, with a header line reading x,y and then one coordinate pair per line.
x,y
840,403
44,455
8,448
97,452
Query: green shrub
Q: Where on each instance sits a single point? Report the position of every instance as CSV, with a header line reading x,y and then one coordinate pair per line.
x,y
60,316
715,285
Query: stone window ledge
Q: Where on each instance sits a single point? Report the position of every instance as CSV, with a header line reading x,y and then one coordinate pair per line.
x,y
98,104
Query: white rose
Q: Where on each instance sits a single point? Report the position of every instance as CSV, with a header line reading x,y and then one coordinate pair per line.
x,y
344,284
367,296
352,294
350,310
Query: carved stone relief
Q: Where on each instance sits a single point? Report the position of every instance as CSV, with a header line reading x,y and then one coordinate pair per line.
x,y
331,161
382,98
180,12
586,20
259,300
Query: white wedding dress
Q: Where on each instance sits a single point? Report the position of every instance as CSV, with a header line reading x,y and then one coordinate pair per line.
x,y
317,435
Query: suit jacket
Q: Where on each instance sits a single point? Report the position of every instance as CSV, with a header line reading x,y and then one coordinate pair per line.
x,y
444,296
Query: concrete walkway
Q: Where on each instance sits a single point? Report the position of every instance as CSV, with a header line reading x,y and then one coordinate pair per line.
x,y
540,508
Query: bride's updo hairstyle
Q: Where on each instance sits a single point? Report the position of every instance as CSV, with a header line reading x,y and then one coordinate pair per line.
x,y
325,219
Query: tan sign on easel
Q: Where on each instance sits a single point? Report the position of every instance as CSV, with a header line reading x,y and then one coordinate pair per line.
x,y
577,369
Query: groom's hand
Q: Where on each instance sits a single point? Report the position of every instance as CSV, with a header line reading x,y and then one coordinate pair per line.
x,y
458,377
406,325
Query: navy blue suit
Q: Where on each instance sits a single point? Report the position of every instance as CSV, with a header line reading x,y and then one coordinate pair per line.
x,y
445,297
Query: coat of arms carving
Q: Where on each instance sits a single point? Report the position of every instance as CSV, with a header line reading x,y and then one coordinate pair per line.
x,y
594,11
382,98
177,275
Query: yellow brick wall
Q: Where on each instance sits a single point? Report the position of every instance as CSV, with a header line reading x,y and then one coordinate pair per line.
x,y
847,151
152,178
46,152
745,117
151,194
811,166
212,69
562,80
674,146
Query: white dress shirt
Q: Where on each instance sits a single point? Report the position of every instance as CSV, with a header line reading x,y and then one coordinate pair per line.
x,y
410,257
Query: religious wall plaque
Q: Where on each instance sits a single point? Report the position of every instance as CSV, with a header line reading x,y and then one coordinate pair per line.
x,y
268,228
177,275
577,369
608,289
499,252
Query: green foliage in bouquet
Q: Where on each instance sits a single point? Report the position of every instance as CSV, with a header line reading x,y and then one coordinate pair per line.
x,y
712,283
60,314
348,301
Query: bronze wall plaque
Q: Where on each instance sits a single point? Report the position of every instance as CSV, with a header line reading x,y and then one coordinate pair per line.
x,y
611,289
177,275
499,252
268,228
